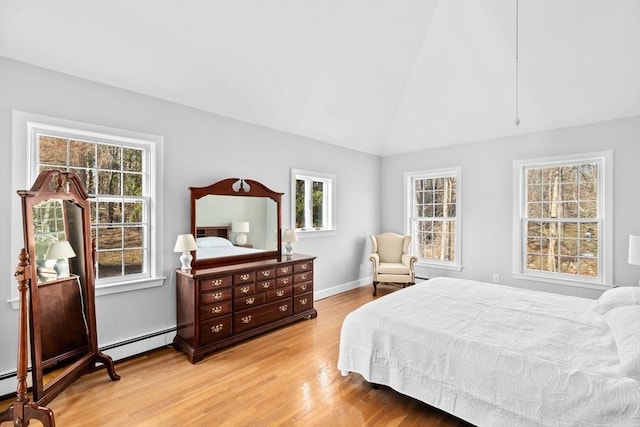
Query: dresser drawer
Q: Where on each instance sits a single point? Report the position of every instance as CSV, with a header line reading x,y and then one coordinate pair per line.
x,y
265,285
243,290
249,301
215,296
277,294
217,309
302,302
301,288
249,319
284,270
303,277
212,283
284,281
302,266
248,277
215,329
267,273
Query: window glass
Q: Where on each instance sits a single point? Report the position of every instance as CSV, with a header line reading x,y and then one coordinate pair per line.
x,y
314,204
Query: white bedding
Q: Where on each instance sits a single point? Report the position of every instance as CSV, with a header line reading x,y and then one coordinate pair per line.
x,y
222,251
493,355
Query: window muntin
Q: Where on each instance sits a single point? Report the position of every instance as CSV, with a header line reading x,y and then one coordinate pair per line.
x,y
562,220
114,174
314,202
434,217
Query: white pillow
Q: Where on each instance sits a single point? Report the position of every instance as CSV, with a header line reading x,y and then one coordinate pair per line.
x,y
212,242
624,322
618,297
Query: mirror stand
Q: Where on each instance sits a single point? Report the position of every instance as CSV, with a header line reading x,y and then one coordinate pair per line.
x,y
23,409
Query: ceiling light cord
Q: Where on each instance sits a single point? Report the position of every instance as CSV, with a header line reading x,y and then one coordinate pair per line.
x,y
517,121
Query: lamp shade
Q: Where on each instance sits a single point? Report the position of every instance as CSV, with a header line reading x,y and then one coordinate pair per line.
x,y
185,243
289,235
59,250
240,227
634,249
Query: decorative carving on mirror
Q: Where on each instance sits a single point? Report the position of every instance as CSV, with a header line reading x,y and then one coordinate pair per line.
x,y
235,220
60,280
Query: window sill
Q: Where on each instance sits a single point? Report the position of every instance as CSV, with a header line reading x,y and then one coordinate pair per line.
x,y
562,282
315,233
451,267
118,287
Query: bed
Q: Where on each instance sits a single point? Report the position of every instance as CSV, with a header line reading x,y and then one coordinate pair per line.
x,y
499,356
213,242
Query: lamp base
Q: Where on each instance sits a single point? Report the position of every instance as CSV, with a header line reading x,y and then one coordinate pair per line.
x,y
62,268
241,239
288,249
185,260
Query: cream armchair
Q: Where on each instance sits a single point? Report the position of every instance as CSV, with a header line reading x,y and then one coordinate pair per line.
x,y
392,262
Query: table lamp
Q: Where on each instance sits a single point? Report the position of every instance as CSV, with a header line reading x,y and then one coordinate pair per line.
x,y
185,244
240,228
289,236
60,251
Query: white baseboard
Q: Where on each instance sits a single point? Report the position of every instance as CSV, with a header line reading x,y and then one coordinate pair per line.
x,y
324,293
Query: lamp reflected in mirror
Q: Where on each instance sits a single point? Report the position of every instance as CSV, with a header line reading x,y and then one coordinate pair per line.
x,y
60,252
241,228
185,243
289,237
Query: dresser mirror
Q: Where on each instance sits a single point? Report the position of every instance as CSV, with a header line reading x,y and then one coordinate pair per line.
x,y
235,220
58,243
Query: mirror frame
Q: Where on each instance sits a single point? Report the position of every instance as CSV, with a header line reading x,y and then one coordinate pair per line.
x,y
235,187
65,186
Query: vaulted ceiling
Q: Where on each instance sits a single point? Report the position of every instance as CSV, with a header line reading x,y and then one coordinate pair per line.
x,y
379,76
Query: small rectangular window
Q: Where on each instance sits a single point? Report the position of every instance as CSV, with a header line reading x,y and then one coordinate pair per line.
x,y
314,201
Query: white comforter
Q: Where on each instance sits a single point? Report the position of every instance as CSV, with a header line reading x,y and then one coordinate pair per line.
x,y
493,355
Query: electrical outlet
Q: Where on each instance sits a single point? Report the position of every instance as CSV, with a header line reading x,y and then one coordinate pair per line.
x,y
496,278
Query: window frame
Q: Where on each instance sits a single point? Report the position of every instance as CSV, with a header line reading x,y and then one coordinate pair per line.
x,y
409,179
604,159
24,144
329,201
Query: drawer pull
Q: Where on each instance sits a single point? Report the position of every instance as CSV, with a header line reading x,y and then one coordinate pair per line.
x,y
216,310
284,269
245,289
303,266
216,296
215,283
283,308
303,301
244,277
303,287
266,285
280,293
249,301
246,319
303,276
217,328
266,273
285,280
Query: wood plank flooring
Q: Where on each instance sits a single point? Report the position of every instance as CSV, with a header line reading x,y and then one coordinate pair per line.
x,y
287,377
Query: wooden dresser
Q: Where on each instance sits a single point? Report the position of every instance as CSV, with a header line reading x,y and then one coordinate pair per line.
x,y
220,306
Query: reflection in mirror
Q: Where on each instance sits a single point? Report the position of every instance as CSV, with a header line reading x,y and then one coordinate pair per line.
x,y
59,259
222,220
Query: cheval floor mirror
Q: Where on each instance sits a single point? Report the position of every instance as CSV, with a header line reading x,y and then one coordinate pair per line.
x,y
56,282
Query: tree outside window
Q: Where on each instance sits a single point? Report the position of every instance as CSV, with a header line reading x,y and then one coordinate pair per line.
x,y
314,201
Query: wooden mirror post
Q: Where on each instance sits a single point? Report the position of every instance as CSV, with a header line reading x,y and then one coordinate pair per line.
x,y
23,409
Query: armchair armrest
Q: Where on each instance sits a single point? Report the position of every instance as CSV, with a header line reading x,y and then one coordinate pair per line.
x,y
375,259
409,260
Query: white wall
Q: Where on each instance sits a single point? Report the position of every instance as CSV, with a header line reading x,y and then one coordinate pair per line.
x,y
199,149
487,202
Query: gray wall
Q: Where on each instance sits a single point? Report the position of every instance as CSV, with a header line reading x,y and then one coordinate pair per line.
x,y
194,141
487,201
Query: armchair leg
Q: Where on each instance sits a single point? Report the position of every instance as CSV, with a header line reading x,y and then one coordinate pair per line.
x,y
375,290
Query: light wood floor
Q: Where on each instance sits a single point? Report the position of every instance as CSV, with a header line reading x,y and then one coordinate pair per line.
x,y
287,377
